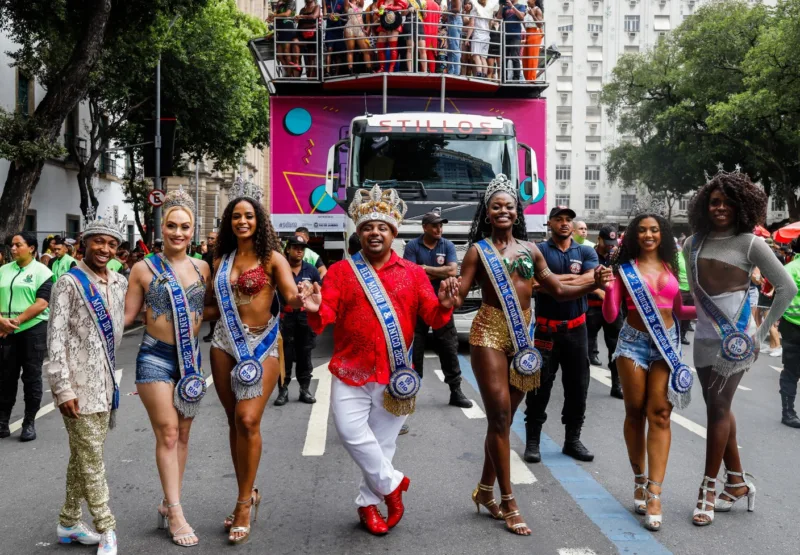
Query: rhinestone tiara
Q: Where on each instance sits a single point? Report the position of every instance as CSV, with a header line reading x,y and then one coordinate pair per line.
x,y
104,225
500,184
375,204
242,188
178,197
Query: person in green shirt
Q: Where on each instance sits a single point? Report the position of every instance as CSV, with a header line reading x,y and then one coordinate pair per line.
x,y
61,261
686,296
310,256
789,327
581,234
25,287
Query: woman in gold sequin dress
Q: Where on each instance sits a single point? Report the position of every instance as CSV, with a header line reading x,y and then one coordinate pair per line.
x,y
500,219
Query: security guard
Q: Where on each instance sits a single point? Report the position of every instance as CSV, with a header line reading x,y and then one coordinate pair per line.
x,y
606,247
562,339
298,339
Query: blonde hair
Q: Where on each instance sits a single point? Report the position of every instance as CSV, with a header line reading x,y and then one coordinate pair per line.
x,y
171,209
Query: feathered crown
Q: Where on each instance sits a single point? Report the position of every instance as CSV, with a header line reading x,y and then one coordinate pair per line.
x,y
242,188
96,225
178,197
385,206
500,184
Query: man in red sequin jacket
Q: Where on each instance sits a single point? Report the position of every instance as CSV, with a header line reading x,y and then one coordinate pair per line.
x,y
360,364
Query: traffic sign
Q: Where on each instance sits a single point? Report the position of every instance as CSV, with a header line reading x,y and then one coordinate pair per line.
x,y
155,198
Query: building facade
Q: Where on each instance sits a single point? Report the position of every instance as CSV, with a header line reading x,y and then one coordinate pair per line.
x,y
592,35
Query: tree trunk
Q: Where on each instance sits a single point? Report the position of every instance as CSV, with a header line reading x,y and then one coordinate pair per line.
x,y
88,198
60,99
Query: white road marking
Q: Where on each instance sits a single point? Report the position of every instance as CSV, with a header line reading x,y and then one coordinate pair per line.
x,y
520,472
578,551
777,368
474,412
50,407
440,374
317,434
431,355
603,376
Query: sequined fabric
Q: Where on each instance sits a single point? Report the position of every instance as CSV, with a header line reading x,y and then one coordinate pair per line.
x,y
86,472
157,298
359,346
490,329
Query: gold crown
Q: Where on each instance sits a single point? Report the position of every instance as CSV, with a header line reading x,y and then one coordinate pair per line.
x,y
385,206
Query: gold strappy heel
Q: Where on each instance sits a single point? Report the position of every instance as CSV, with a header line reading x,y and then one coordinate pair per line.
x,y
489,504
513,527
228,522
255,501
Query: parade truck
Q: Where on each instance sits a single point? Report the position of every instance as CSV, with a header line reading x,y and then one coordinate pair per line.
x,y
437,139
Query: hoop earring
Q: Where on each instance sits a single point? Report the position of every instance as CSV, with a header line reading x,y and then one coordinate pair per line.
x,y
487,220
516,222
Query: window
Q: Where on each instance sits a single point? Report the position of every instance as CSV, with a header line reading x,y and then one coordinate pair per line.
x,y
30,221
591,202
73,226
562,200
628,202
595,27
592,173
631,49
683,203
565,28
632,23
563,173
23,94
777,204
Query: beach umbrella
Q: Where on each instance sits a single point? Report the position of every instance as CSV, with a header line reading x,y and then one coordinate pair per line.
x,y
788,233
761,231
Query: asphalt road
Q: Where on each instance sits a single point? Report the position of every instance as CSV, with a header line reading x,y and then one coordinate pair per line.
x,y
309,483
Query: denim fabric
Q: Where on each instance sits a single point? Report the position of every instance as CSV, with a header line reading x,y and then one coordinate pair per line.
x,y
640,347
157,361
594,323
454,46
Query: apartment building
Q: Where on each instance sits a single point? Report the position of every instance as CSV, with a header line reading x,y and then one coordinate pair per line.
x,y
592,35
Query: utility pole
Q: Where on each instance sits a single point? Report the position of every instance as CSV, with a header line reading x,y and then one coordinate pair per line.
x,y
157,179
197,201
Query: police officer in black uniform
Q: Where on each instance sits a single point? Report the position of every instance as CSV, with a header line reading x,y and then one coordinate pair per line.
x,y
606,247
298,339
562,339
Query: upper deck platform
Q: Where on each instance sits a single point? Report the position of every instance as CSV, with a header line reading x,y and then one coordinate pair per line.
x,y
353,54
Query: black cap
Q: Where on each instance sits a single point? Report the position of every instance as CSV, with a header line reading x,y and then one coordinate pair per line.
x,y
433,218
296,241
608,233
558,210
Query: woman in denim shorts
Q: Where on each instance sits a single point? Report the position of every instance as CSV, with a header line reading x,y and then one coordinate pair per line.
x,y
644,374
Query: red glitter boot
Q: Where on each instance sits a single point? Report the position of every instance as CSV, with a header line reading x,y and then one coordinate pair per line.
x,y
394,502
371,518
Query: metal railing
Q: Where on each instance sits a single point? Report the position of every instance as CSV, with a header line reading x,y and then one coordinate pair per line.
x,y
346,45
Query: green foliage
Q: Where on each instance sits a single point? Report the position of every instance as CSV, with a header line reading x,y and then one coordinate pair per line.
x,y
15,129
724,88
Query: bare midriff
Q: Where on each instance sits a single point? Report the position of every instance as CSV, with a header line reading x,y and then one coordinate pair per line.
x,y
717,277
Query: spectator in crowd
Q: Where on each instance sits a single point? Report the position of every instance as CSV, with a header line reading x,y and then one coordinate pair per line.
x,y
286,37
534,36
581,234
432,19
353,244
307,29
158,245
453,21
789,327
355,35
46,254
441,51
480,37
310,256
388,34
297,336
334,12
512,16
466,34
686,295
417,17
25,287
61,262
494,50
208,258
5,255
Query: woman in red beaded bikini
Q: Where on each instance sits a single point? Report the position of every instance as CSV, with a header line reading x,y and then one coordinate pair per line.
x,y
248,269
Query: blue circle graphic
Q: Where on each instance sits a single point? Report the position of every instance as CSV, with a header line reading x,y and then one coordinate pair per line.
x,y
538,192
322,200
297,121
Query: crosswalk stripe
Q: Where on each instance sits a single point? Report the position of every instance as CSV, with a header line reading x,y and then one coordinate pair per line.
x,y
520,472
317,433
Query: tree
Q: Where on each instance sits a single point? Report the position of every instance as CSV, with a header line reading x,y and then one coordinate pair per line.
x,y
60,43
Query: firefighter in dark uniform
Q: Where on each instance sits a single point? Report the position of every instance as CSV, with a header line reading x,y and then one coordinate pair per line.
x,y
606,247
298,339
562,339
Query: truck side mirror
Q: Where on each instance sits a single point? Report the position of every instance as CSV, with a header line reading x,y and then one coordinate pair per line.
x,y
332,177
530,170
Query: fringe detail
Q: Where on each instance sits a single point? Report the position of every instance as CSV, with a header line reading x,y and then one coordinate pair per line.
x,y
525,383
112,420
187,410
243,392
677,400
727,368
398,407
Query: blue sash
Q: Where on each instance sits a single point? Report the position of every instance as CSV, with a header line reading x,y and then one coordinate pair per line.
x,y
192,386
680,376
736,350
527,361
404,383
247,374
105,325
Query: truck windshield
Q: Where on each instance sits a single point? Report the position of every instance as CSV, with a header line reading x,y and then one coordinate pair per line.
x,y
437,161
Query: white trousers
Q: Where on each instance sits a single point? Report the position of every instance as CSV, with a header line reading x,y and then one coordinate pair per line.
x,y
369,434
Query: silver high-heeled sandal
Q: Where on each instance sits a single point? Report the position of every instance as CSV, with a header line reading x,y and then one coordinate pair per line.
x,y
176,537
725,505
709,484
639,505
652,522
163,521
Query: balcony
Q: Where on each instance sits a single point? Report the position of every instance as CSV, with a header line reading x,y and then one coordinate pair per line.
x,y
335,54
108,165
75,145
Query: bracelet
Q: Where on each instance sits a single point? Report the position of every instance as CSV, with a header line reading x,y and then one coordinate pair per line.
x,y
543,274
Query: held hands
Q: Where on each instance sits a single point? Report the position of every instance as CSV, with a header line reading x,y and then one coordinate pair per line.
x,y
8,325
70,408
311,295
603,276
448,292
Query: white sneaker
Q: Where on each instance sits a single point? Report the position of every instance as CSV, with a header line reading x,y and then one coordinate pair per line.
x,y
776,352
79,533
108,543
765,350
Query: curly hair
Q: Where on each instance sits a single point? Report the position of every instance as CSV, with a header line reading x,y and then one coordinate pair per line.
x,y
265,240
629,250
480,229
750,202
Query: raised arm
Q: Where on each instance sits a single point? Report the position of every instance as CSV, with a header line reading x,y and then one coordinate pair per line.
x,y
683,312
613,300
785,289
284,280
210,306
322,305
134,298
